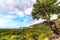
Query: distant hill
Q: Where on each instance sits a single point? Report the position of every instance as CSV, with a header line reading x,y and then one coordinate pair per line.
x,y
38,25
44,24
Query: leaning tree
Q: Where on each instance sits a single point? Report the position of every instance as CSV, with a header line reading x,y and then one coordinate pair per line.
x,y
44,9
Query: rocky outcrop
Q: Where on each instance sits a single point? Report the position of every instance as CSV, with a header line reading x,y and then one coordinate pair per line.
x,y
54,37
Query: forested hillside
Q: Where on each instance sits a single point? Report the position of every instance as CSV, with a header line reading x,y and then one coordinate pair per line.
x,y
25,34
39,31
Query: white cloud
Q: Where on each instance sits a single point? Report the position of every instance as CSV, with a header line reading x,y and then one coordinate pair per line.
x,y
9,17
21,14
34,0
12,12
8,23
28,11
10,2
53,17
1,2
11,6
3,23
36,21
17,7
59,4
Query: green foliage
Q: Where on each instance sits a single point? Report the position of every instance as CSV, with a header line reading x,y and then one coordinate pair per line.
x,y
24,34
45,8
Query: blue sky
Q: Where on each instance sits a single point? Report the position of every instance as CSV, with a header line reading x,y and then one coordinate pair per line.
x,y
16,13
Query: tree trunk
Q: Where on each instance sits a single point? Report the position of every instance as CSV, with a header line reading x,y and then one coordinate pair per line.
x,y
49,24
53,28
56,31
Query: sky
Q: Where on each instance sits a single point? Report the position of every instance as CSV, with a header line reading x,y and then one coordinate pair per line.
x,y
16,13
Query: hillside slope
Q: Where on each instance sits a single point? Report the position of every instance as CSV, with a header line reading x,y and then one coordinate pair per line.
x,y
39,31
44,24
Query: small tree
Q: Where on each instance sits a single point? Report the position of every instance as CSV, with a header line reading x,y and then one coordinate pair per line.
x,y
44,9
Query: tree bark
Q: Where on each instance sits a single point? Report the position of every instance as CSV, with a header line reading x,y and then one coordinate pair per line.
x,y
56,31
53,28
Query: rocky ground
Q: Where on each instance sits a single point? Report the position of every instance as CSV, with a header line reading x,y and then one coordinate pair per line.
x,y
54,37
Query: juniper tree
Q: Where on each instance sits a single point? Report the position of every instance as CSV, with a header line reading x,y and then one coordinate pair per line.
x,y
44,9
